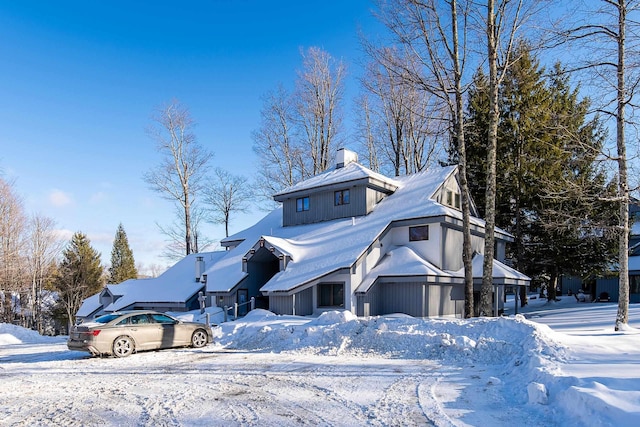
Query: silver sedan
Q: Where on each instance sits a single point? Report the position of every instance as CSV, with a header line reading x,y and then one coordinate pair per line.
x,y
120,334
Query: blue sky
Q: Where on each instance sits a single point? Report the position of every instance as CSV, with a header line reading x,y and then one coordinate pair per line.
x,y
79,81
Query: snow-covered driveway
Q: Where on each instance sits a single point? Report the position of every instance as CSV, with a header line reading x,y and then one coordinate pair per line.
x,y
338,370
45,384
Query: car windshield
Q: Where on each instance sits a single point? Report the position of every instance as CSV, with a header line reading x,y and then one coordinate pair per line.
x,y
106,318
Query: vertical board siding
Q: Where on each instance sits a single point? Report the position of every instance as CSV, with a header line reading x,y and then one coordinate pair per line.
x,y
322,207
304,302
612,287
281,304
372,298
413,298
407,298
284,304
452,250
227,300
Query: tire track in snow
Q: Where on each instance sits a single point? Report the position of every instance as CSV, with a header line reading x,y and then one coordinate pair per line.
x,y
400,404
431,405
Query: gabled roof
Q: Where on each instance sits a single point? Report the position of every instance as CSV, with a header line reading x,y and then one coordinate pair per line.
x,y
347,174
403,261
89,306
320,249
502,273
176,285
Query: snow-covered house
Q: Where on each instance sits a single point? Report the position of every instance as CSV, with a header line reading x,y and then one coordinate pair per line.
x,y
177,289
349,238
354,239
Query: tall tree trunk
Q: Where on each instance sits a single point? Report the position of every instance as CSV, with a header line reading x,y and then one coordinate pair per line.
x,y
467,254
490,209
623,185
553,284
187,222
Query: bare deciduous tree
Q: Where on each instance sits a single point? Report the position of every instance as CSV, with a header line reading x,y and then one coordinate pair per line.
x,y
610,27
399,114
318,99
435,34
431,33
43,247
298,133
504,25
175,232
365,132
12,233
228,194
281,161
179,176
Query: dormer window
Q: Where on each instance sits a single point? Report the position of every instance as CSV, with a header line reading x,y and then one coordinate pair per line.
x,y
453,199
341,197
302,204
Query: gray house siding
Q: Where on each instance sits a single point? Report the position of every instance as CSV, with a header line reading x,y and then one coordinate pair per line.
x,y
408,298
610,285
373,198
417,299
370,303
571,283
284,304
322,206
452,251
224,300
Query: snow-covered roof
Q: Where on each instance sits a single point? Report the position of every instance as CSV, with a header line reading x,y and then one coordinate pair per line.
x,y
502,274
319,249
403,261
176,285
89,306
350,172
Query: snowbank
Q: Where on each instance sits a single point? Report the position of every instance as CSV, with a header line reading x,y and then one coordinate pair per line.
x,y
12,334
485,340
580,371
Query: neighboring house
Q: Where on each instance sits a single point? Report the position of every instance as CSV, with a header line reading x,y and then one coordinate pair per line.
x,y
348,239
177,289
610,283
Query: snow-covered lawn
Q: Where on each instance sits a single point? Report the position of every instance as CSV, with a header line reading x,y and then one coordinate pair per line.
x,y
563,365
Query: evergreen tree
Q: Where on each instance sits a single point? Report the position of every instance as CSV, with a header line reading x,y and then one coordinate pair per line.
x,y
79,275
577,211
123,265
548,150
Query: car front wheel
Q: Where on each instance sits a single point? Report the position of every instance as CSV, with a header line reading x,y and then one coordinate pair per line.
x,y
123,346
199,338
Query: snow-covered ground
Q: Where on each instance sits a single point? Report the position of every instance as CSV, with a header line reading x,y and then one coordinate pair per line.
x,y
557,364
